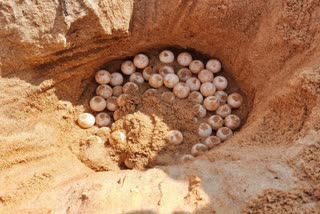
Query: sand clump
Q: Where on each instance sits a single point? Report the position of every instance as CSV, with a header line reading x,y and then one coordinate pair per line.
x,y
275,201
145,120
309,160
144,138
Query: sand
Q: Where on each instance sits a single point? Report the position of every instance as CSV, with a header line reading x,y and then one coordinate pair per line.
x,y
50,52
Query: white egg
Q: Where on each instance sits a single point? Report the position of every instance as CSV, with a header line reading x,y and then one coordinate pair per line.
x,y
199,111
112,103
205,76
235,100
232,121
156,81
204,130
213,65
141,61
97,103
216,122
184,74
223,110
193,83
220,82
211,103
116,79
165,70
170,80
207,89
181,90
186,158
222,96
117,90
224,133
86,120
198,149
184,58
130,87
128,68
166,56
103,77
196,66
212,141
104,91
147,72
195,97
103,119
174,137
136,78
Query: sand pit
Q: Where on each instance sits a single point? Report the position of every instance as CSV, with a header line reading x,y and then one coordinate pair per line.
x,y
49,54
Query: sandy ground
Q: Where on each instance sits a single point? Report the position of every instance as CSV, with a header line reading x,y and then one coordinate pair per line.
x,y
50,51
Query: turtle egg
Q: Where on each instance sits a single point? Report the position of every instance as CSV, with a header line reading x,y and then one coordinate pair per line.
x,y
223,110
97,103
207,89
112,103
165,70
205,76
123,99
215,121
220,82
151,92
212,141
213,65
166,56
156,81
136,78
86,120
129,164
184,58
147,72
232,121
193,83
94,140
181,90
130,87
198,149
103,119
117,90
211,103
141,61
128,68
199,111
222,96
168,97
195,97
184,74
204,130
170,80
117,137
185,158
103,77
196,66
224,133
235,100
174,137
104,91
116,79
